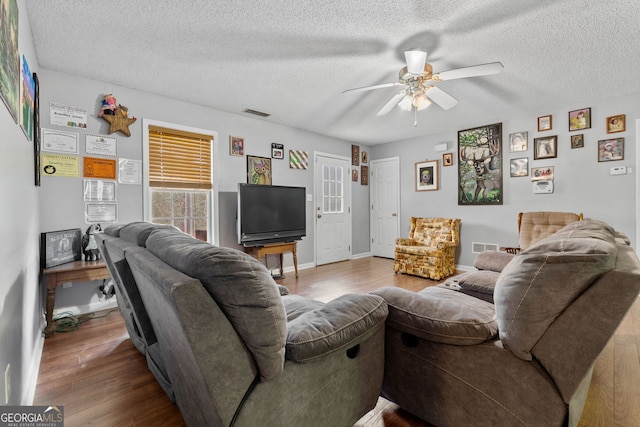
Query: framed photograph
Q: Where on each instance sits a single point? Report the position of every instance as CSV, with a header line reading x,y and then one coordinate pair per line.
x,y
580,119
519,167
616,123
542,174
258,170
365,158
545,148
60,247
277,151
447,159
354,175
577,141
236,146
544,123
518,141
610,149
364,175
427,175
480,166
355,155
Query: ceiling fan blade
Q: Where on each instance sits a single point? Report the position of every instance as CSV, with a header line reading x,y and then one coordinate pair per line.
x,y
416,59
440,97
380,86
392,103
473,71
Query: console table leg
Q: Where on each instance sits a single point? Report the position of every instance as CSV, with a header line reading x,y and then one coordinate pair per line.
x,y
51,295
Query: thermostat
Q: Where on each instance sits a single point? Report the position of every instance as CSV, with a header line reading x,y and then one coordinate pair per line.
x,y
542,187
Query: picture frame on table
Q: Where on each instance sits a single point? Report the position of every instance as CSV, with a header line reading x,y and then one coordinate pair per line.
x,y
610,149
519,167
616,124
426,175
580,119
545,123
545,147
60,247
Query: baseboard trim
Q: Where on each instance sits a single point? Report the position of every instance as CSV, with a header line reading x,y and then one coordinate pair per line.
x,y
362,255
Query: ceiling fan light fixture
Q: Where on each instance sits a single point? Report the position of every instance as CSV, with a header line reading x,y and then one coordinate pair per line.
x,y
416,60
420,100
406,103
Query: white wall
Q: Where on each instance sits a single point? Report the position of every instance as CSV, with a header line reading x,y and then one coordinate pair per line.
x,y
582,184
20,300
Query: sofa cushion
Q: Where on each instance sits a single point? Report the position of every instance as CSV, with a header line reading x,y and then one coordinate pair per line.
x,y
240,285
333,326
440,315
492,260
539,283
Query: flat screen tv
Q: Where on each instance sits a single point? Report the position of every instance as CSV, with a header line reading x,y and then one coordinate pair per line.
x,y
270,214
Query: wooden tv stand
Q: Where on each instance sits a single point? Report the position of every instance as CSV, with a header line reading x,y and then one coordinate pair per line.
x,y
276,248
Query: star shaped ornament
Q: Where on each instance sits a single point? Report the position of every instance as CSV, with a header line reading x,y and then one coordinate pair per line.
x,y
119,121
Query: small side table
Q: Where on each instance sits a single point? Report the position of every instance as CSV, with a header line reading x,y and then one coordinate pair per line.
x,y
277,248
76,271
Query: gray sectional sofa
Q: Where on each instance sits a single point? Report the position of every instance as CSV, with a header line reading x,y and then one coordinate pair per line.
x,y
515,343
230,346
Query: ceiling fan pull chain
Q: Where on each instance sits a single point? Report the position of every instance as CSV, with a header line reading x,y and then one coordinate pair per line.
x,y
415,117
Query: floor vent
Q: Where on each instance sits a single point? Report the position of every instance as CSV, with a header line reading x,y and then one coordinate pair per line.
x,y
255,112
478,248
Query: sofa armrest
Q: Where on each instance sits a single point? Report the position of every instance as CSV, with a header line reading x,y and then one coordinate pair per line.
x,y
339,324
440,315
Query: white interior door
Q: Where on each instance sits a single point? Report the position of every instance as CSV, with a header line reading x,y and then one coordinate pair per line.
x,y
385,204
332,208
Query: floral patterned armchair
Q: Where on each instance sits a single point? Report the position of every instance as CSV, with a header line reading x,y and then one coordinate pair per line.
x,y
430,249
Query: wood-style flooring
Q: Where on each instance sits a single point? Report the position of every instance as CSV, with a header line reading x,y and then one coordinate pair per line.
x,y
101,379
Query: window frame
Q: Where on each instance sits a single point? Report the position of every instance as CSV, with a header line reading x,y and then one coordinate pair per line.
x,y
213,195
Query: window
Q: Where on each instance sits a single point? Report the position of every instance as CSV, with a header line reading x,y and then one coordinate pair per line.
x,y
332,189
180,180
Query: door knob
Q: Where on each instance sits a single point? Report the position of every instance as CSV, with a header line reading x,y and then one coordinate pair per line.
x,y
319,216
394,214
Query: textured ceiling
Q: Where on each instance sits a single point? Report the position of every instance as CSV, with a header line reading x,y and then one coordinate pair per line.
x,y
293,59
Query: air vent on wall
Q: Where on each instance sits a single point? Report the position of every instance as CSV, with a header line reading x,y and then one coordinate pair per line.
x,y
477,248
255,112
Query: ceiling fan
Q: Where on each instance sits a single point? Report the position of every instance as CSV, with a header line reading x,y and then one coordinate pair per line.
x,y
416,81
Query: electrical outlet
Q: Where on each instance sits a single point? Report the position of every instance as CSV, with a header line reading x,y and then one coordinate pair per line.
x,y
7,384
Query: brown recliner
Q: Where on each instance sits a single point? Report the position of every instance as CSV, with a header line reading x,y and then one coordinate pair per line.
x,y
534,226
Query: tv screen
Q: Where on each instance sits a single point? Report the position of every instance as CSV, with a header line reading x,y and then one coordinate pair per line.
x,y
270,214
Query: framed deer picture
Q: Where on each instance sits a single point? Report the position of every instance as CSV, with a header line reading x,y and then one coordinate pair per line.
x,y
480,165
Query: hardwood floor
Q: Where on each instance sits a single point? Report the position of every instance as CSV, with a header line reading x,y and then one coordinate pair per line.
x,y
101,379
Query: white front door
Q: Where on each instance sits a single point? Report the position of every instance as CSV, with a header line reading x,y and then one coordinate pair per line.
x,y
385,204
332,208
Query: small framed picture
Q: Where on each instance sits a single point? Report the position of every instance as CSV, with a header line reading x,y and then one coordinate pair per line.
x,y
610,149
580,119
354,175
258,170
447,159
545,148
427,175
544,123
616,123
364,175
365,158
518,141
355,155
277,151
519,167
236,146
542,174
577,141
